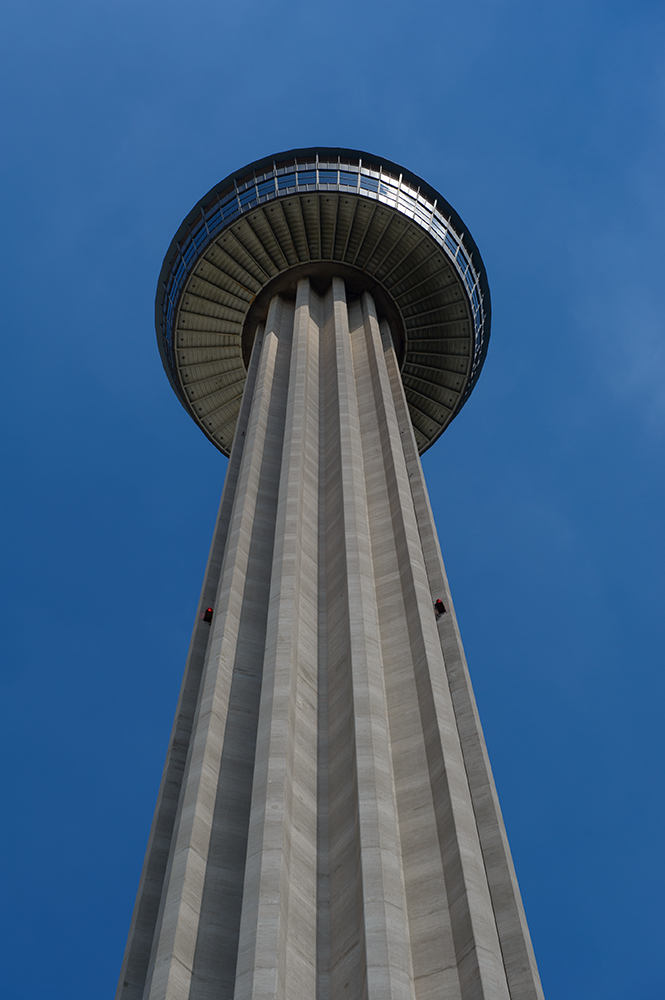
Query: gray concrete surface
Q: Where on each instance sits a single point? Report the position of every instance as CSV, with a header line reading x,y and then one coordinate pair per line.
x,y
327,826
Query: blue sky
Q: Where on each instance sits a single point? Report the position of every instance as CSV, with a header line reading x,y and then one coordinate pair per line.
x,y
543,125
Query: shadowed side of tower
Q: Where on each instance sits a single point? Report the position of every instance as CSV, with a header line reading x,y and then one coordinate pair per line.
x,y
327,825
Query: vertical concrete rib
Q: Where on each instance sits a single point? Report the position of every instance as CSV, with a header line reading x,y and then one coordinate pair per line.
x,y
134,968
175,941
277,949
431,941
215,959
323,756
479,962
346,952
385,927
516,948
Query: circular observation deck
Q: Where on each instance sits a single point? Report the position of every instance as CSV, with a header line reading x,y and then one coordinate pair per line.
x,y
317,213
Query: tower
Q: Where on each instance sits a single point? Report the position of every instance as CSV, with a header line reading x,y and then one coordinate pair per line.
x,y
327,826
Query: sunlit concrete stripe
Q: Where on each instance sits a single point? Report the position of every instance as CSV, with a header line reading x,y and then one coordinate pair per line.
x,y
477,949
174,950
151,886
277,948
515,941
323,925
385,925
430,939
344,959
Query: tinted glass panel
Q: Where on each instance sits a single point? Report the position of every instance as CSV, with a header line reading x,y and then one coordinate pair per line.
x,y
450,242
215,219
438,228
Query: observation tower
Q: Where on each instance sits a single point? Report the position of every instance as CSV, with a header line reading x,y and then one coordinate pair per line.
x,y
327,826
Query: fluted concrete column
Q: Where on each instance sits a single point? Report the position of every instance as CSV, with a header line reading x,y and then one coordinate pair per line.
x,y
354,645
328,828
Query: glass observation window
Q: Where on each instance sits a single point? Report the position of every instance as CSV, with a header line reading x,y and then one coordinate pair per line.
x,y
341,174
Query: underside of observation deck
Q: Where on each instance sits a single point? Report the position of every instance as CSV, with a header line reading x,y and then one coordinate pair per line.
x,y
315,214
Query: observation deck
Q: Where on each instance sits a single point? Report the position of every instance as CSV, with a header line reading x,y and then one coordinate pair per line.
x,y
319,213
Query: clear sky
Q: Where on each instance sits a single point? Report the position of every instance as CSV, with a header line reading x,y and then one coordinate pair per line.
x,y
542,123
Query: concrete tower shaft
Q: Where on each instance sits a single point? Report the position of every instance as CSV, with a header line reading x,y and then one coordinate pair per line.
x,y
327,825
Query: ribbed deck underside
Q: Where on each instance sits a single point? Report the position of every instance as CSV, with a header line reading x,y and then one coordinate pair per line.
x,y
327,827
323,227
